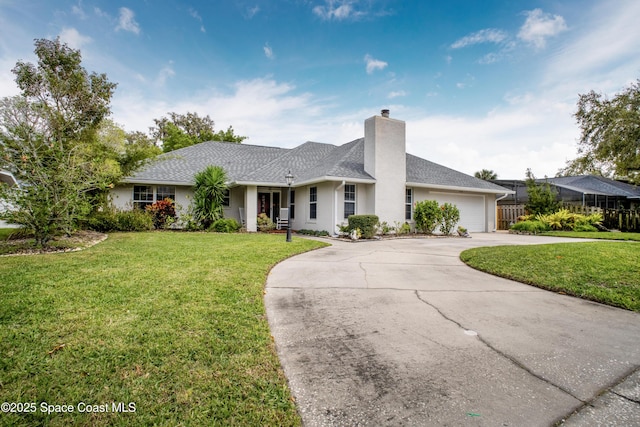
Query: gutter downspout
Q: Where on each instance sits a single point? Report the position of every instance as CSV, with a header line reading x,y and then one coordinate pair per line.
x,y
495,228
335,207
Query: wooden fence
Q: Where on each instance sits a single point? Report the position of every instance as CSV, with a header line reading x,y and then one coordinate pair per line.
x,y
508,214
622,219
614,219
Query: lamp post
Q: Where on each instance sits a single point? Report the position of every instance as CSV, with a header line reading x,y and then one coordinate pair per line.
x,y
289,179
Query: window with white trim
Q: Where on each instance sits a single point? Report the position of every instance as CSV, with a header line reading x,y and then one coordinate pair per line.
x,y
349,200
226,201
142,196
146,195
313,202
408,204
165,192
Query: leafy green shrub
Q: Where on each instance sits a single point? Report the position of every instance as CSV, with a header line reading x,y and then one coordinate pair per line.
x,y
585,227
265,223
225,225
428,215
113,220
450,217
366,224
531,226
318,233
402,228
568,221
163,213
134,220
384,228
103,221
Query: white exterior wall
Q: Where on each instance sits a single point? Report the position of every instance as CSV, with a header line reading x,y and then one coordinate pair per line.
x,y
385,159
122,197
325,207
477,211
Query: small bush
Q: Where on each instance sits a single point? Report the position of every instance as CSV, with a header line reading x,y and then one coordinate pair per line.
x,y
265,223
428,215
366,224
134,220
318,233
450,217
163,213
402,228
104,221
384,228
534,226
225,225
585,227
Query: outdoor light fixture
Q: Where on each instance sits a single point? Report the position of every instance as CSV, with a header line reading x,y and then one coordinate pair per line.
x,y
289,179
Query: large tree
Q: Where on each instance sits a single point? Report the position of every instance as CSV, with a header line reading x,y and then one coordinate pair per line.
x,y
609,143
48,138
183,130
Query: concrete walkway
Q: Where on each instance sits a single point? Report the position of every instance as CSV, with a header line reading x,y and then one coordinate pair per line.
x,y
401,332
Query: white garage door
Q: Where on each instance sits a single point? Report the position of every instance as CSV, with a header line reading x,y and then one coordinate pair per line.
x,y
472,213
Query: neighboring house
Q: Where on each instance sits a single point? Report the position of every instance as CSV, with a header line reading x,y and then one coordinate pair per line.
x,y
371,175
585,190
6,177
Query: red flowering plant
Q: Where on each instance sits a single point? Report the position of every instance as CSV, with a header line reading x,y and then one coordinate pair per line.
x,y
163,213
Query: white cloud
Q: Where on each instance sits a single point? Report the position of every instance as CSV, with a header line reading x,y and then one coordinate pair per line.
x,y
268,51
252,11
489,35
536,134
374,64
73,38
539,26
396,94
165,73
78,11
338,10
127,21
595,57
194,13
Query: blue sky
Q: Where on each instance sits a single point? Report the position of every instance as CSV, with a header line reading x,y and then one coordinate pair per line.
x,y
481,84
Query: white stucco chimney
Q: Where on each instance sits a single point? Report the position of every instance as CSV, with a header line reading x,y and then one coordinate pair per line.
x,y
385,159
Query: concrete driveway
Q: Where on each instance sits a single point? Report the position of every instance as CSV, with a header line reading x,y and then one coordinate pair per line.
x,y
401,332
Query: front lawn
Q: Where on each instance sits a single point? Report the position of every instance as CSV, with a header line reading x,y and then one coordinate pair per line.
x,y
173,323
606,235
607,272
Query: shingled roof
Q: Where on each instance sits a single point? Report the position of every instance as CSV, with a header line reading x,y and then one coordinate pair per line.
x,y
591,184
310,162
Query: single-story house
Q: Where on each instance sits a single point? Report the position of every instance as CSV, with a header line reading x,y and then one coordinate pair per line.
x,y
371,175
7,178
584,190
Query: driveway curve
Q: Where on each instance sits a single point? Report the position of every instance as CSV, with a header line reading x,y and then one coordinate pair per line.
x,y
401,332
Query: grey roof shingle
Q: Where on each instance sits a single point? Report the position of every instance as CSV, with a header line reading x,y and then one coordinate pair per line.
x,y
181,165
308,162
591,184
425,172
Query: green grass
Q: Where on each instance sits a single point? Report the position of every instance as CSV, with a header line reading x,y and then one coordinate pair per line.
x,y
5,233
173,322
607,272
607,235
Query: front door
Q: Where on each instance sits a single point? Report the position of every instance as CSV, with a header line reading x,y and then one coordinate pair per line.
x,y
269,204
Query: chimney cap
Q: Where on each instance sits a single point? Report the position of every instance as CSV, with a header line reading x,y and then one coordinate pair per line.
x,y
385,113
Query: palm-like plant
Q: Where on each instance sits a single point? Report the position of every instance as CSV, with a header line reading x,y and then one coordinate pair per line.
x,y
208,195
486,174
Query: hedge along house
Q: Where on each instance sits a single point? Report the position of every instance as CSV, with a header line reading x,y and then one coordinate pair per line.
x,y
371,175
